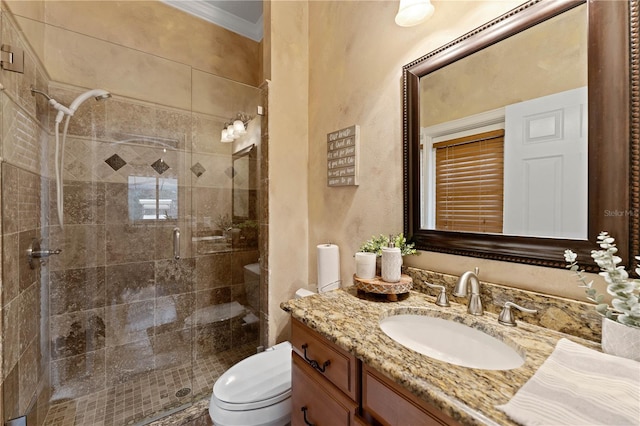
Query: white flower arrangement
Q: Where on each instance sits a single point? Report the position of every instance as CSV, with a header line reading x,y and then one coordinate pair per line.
x,y
625,305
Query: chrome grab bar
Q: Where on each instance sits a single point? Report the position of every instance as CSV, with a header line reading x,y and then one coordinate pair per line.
x,y
176,243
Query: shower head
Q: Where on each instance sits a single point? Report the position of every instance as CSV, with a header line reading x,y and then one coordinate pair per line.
x,y
98,94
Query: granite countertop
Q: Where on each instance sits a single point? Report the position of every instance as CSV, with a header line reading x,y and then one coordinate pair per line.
x,y
468,395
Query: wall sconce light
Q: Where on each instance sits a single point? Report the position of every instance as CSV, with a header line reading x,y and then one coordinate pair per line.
x,y
413,12
235,128
239,128
224,137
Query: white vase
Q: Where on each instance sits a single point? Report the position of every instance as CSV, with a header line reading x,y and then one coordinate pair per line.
x,y
620,340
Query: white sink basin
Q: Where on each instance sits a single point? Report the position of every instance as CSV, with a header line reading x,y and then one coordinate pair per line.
x,y
450,342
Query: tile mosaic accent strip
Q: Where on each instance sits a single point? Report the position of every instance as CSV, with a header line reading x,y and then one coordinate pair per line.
x,y
115,162
160,166
198,169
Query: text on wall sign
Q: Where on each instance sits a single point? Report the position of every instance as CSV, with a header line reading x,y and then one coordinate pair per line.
x,y
343,150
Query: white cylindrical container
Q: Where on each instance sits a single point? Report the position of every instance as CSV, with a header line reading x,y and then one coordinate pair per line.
x,y
366,265
391,264
328,267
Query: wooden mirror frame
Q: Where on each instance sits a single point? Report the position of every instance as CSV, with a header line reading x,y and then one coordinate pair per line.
x,y
250,153
614,136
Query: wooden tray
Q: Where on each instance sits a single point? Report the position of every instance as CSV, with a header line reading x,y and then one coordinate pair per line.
x,y
378,286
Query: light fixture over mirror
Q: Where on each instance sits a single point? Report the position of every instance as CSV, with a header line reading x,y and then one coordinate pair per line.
x,y
239,128
235,128
224,137
413,12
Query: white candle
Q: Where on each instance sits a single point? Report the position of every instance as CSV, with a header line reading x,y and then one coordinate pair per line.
x,y
365,265
391,264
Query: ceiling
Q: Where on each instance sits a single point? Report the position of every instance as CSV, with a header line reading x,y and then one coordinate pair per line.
x,y
243,17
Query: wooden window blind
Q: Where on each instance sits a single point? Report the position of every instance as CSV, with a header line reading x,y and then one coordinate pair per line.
x,y
469,183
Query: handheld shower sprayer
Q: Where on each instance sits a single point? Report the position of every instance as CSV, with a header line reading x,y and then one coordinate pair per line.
x,y
63,111
98,94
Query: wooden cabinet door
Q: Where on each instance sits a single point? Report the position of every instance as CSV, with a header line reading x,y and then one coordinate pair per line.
x,y
337,365
390,404
315,400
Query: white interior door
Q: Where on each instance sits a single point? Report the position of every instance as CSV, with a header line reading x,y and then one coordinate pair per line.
x,y
545,171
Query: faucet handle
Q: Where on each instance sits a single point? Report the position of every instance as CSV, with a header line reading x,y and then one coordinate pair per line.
x,y
442,299
506,316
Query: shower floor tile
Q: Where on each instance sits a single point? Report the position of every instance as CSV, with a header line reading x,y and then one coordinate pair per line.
x,y
147,396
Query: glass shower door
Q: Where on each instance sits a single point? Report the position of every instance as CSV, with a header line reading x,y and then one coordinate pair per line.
x,y
224,243
122,288
116,329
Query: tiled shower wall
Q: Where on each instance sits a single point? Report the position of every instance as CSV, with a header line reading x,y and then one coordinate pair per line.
x,y
24,382
121,305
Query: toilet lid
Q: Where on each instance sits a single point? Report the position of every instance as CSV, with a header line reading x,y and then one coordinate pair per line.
x,y
260,380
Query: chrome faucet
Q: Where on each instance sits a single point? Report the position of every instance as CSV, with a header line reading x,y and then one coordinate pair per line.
x,y
475,304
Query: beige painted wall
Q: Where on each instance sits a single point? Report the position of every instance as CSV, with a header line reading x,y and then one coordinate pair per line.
x,y
355,57
104,43
288,157
161,31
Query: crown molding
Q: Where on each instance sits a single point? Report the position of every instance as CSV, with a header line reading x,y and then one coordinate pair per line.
x,y
220,17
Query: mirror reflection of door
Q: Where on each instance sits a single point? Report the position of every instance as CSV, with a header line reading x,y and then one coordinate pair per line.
x,y
545,165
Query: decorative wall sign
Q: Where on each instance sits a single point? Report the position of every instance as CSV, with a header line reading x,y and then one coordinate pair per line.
x,y
343,150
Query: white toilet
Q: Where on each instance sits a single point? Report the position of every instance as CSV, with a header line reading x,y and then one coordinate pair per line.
x,y
255,391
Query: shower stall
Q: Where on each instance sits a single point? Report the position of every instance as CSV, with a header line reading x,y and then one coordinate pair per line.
x,y
130,246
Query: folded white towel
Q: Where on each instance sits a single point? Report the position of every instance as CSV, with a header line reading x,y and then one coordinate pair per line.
x,y
579,386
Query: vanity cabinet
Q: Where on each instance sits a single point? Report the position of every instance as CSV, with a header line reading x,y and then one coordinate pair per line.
x,y
331,387
315,401
325,380
332,362
386,402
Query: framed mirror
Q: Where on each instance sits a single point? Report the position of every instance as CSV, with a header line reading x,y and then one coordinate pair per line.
x,y
245,185
529,206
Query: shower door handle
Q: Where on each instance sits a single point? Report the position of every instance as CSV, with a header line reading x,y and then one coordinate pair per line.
x,y
176,243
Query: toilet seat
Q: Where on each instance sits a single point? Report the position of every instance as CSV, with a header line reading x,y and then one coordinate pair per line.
x,y
259,381
252,405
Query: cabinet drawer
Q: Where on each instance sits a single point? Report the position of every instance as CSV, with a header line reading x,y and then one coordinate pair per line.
x,y
315,400
340,367
390,404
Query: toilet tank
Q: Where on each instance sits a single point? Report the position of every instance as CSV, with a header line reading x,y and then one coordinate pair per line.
x,y
252,271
